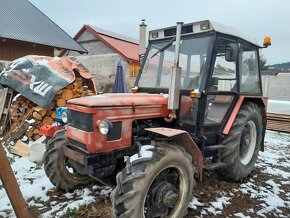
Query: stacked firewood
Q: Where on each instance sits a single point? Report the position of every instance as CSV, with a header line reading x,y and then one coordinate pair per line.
x,y
19,108
41,116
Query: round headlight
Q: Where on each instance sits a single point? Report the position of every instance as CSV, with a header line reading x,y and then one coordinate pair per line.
x,y
104,126
64,116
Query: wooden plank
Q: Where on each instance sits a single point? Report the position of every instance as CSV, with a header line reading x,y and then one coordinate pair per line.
x,y
17,127
5,103
3,94
11,186
278,122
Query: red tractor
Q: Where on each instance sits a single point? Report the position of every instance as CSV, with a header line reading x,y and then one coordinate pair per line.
x,y
197,103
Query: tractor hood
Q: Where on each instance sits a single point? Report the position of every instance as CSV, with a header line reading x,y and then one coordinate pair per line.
x,y
111,100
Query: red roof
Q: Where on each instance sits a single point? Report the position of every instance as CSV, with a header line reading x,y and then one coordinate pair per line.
x,y
126,47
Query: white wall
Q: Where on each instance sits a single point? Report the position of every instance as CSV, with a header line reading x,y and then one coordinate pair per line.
x,y
278,87
103,68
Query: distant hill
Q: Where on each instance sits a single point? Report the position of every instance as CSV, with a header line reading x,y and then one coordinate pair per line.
x,y
282,66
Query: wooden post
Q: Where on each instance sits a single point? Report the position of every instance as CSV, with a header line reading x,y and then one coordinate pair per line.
x,y
11,186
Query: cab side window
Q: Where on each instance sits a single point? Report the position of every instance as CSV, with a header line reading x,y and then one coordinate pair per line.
x,y
249,70
224,72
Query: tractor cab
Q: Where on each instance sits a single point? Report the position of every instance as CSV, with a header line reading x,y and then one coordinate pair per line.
x,y
217,65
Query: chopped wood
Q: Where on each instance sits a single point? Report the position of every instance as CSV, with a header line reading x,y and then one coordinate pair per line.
x,y
48,113
80,90
22,109
70,86
29,133
36,116
31,105
47,121
35,131
53,115
67,94
40,110
15,106
35,137
14,114
61,102
24,105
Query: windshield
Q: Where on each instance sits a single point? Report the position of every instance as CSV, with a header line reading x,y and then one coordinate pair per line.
x,y
156,72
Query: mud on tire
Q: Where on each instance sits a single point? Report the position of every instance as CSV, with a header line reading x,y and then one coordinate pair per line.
x,y
56,166
243,144
136,184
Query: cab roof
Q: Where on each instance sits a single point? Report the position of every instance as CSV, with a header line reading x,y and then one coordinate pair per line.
x,y
199,27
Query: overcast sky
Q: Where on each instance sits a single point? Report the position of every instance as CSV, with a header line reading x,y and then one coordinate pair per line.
x,y
257,18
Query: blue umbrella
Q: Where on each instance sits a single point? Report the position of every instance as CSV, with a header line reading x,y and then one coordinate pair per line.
x,y
120,84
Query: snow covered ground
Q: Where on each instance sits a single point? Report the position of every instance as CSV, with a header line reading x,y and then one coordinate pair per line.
x,y
267,193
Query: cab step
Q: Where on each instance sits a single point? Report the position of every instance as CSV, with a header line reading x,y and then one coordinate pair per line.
x,y
215,166
214,147
213,150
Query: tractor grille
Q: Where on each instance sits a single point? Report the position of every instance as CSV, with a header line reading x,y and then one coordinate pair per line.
x,y
80,121
115,133
78,144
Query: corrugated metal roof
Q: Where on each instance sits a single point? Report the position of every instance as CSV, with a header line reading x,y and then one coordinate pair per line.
x,y
126,48
21,20
114,35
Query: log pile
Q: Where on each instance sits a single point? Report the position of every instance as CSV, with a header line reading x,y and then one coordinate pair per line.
x,y
42,116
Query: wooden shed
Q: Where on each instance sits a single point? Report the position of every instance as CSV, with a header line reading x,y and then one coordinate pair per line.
x,y
25,30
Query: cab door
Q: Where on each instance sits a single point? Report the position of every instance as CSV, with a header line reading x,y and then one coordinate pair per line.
x,y
222,88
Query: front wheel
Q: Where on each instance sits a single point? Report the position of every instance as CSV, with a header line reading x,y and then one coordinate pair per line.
x,y
159,183
243,143
57,166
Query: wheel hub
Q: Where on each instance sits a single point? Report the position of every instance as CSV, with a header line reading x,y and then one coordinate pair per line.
x,y
162,196
165,196
170,198
248,142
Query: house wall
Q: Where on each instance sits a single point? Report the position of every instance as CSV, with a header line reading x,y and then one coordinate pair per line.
x,y
93,45
103,68
102,62
277,87
12,49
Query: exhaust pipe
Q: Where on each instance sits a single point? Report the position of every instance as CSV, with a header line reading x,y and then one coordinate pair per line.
x,y
174,89
142,38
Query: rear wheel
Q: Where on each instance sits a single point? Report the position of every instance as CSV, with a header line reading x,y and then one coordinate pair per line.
x,y
243,144
57,166
158,184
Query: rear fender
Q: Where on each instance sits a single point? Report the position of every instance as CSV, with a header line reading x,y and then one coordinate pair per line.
x,y
183,139
261,101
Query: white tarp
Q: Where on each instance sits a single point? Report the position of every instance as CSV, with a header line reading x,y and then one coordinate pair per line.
x,y
279,107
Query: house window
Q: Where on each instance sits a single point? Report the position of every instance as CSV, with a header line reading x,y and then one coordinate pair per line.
x,y
134,69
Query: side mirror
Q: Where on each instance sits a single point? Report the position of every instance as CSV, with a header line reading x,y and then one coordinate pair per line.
x,y
232,52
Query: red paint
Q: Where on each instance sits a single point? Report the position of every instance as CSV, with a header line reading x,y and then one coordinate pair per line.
x,y
183,138
238,105
186,106
115,107
113,100
49,130
233,115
